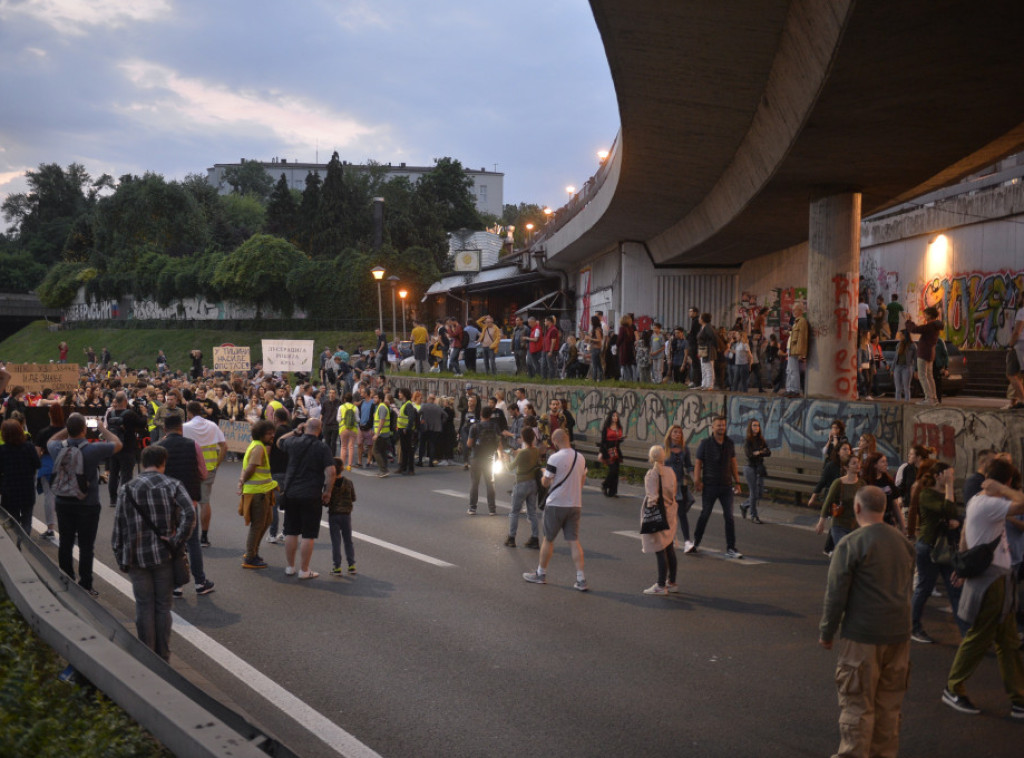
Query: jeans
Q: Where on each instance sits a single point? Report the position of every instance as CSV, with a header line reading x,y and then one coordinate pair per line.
x,y
683,511
122,469
901,378
480,466
490,361
708,498
520,356
548,368
793,374
453,363
152,588
81,522
596,373
666,565
657,369
837,533
627,372
421,363
927,378
741,377
195,554
524,493
340,527
275,519
533,364
927,574
755,484
331,439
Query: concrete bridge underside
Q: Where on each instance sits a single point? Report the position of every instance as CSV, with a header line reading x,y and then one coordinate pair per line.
x,y
736,115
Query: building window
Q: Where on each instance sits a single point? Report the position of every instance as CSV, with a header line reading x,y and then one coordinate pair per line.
x,y
483,193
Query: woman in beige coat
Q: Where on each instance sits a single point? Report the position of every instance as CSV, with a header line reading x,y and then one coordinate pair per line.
x,y
662,543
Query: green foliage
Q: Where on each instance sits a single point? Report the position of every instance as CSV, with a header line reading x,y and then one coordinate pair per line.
x,y
249,178
309,211
519,216
243,213
257,272
282,211
446,189
20,272
59,287
42,717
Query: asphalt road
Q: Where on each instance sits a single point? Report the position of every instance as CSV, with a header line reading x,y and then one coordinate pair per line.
x,y
443,649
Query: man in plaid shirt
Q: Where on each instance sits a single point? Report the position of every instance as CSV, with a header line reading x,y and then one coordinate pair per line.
x,y
146,556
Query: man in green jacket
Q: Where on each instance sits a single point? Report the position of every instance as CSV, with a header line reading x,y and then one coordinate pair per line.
x,y
868,594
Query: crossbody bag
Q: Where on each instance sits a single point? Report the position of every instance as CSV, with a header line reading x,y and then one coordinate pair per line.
x,y
542,501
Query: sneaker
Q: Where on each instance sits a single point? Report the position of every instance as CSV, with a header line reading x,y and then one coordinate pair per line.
x,y
733,553
690,548
471,511
204,541
383,474
178,592
533,543
348,468
961,703
48,534
272,539
337,571
756,520
204,589
510,542
253,563
289,571
581,585
1017,712
920,635
535,578
655,589
672,588
351,568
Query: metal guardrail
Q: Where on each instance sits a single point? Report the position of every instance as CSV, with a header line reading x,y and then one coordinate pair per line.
x,y
186,720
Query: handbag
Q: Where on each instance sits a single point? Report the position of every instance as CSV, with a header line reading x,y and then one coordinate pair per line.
x,y
542,497
973,561
653,517
943,550
179,553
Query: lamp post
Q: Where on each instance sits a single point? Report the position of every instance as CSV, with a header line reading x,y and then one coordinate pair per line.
x,y
571,189
529,232
394,282
378,274
402,293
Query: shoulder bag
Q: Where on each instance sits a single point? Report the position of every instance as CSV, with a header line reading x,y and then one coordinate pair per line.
x,y
973,561
653,517
542,500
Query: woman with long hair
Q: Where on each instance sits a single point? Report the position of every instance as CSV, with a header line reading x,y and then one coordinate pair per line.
x,y
756,449
678,459
867,446
906,475
903,365
610,452
19,462
569,421
595,341
660,483
839,502
940,520
876,473
830,469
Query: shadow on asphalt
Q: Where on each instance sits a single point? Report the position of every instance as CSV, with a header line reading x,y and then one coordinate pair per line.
x,y
686,601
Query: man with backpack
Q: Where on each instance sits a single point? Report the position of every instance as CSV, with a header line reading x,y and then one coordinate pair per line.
x,y
76,492
483,444
129,425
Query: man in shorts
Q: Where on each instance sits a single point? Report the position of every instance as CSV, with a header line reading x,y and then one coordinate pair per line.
x,y
310,478
564,475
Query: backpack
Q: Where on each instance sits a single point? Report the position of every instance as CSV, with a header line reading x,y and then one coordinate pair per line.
x,y
350,418
486,440
69,473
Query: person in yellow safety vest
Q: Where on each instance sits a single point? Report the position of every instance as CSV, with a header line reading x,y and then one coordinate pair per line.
x,y
348,426
256,487
381,434
153,410
215,447
408,423
271,404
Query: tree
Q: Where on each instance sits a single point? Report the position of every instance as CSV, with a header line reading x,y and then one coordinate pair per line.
x,y
282,211
519,216
249,178
243,216
20,272
446,188
257,272
330,229
309,211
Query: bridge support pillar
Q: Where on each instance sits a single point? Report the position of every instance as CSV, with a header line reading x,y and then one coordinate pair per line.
x,y
833,284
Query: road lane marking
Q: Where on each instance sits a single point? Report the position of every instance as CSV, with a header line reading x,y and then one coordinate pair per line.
x,y
397,548
332,735
465,497
745,561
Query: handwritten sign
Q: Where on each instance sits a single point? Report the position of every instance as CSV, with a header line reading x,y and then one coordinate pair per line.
x,y
287,355
35,377
238,435
231,358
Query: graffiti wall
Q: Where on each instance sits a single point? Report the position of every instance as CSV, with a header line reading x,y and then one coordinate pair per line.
x,y
189,309
977,308
958,435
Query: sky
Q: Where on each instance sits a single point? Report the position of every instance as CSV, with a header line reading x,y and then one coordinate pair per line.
x,y
175,86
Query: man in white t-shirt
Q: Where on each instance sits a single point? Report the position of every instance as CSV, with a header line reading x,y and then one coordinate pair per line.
x,y
987,601
564,475
211,440
521,400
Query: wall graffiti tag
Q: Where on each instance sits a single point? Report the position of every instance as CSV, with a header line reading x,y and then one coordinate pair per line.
x,y
976,307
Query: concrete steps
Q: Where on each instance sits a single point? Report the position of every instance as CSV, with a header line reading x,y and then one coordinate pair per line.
x,y
986,373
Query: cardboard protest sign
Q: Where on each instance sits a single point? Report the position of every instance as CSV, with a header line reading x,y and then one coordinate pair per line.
x,y
35,377
287,355
231,358
238,434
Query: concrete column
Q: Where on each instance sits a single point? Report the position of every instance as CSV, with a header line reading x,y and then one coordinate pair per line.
x,y
833,283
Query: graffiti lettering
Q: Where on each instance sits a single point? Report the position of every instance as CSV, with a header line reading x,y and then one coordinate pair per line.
x,y
940,437
976,307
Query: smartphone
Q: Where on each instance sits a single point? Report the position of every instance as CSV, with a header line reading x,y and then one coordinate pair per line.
x,y
92,423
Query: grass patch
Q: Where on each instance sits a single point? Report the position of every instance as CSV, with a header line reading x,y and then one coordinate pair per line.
x,y
43,717
138,347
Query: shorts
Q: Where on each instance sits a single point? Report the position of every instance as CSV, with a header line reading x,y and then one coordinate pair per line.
x,y
1015,359
206,487
564,519
302,517
366,437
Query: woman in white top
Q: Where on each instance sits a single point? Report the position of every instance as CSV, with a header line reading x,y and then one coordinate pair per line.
x,y
661,481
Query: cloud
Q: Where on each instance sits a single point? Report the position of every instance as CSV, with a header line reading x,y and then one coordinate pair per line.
x,y
70,16
179,103
9,176
358,15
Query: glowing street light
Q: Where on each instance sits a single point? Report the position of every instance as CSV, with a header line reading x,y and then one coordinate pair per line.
x,y
402,293
571,189
378,274
602,155
529,231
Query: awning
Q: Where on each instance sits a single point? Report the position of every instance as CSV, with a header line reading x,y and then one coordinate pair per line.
x,y
498,278
547,301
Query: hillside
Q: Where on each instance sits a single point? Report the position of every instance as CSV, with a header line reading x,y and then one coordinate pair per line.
x,y
138,347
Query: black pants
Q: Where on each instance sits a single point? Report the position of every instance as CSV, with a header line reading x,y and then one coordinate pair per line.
x,y
611,482
666,565
479,467
380,452
469,356
331,440
77,522
405,440
428,446
937,373
122,469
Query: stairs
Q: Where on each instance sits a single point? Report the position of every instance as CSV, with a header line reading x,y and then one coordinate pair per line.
x,y
986,373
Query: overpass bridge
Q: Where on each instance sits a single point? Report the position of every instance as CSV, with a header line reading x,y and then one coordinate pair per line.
x,y
751,127
18,310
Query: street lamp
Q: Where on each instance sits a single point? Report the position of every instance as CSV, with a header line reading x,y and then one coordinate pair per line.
x,y
529,232
394,282
378,274
402,293
571,189
602,155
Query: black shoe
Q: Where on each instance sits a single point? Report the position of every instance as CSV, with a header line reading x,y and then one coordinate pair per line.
x,y
204,589
510,542
178,592
959,703
533,543
920,635
204,541
756,520
743,510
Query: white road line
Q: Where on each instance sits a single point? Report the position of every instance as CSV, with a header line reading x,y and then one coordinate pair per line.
x,y
332,735
746,561
398,549
483,498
